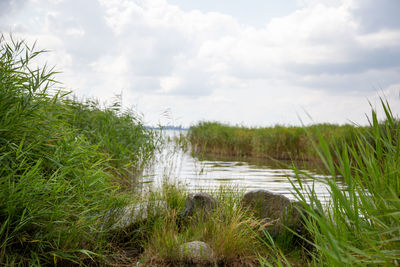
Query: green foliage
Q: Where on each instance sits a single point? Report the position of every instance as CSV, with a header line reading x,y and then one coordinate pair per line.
x,y
293,143
119,133
360,225
59,161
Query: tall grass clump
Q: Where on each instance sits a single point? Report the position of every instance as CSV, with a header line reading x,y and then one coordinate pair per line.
x,y
118,133
229,229
361,225
278,142
59,165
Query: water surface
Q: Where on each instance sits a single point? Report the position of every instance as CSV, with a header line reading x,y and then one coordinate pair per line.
x,y
175,165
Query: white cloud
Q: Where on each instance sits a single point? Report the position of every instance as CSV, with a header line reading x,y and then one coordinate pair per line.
x,y
208,66
379,40
75,32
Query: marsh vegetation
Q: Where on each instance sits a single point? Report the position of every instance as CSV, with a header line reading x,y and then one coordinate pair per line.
x,y
278,142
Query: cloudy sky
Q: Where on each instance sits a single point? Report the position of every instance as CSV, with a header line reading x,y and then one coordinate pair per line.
x,y
254,62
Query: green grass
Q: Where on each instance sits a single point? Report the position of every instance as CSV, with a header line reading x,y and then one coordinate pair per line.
x,y
236,236
361,225
62,165
278,142
229,230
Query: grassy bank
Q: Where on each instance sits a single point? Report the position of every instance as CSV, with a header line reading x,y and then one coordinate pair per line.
x,y
283,143
62,164
234,234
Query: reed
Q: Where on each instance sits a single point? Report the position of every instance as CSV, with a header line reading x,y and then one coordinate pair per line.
x,y
360,225
278,142
61,165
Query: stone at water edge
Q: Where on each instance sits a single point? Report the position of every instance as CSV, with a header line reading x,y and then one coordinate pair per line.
x,y
196,252
198,203
276,210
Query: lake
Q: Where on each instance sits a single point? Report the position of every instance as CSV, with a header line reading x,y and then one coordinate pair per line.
x,y
173,164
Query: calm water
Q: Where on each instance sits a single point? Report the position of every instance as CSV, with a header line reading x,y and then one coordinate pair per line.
x,y
175,165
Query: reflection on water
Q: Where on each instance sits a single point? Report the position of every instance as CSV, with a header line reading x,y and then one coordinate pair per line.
x,y
174,164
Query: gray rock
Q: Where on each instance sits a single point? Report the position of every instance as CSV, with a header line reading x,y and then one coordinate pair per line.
x,y
196,252
198,203
135,213
277,211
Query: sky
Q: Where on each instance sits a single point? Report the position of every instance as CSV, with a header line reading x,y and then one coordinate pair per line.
x,y
253,63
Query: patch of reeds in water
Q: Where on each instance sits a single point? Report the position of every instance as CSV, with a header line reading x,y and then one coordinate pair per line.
x,y
278,142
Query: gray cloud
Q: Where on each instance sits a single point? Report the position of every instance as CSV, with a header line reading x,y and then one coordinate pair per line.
x,y
379,59
376,15
371,81
10,6
85,16
155,53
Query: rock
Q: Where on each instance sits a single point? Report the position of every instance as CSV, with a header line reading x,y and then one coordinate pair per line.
x,y
277,211
198,203
196,252
135,213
